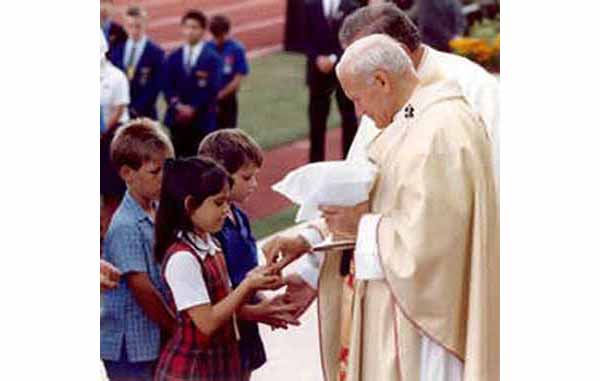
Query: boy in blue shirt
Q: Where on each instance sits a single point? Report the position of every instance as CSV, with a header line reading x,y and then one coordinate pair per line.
x,y
142,61
241,156
192,81
235,68
134,313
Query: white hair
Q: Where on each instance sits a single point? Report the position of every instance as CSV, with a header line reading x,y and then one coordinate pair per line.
x,y
371,53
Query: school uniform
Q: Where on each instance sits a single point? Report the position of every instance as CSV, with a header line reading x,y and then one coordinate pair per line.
x,y
142,62
233,54
196,274
239,247
129,339
192,77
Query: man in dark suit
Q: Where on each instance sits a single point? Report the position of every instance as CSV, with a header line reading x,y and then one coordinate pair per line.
x,y
114,33
323,21
192,80
142,61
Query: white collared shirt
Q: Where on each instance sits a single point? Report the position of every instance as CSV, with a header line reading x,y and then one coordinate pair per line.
x,y
183,272
139,45
330,7
195,51
114,91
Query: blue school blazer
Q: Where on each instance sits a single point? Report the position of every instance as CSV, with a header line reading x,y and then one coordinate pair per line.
x,y
146,84
198,89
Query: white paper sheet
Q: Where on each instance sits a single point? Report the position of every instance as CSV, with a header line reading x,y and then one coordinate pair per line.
x,y
339,183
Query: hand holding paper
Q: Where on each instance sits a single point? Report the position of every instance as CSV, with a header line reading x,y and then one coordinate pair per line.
x,y
342,221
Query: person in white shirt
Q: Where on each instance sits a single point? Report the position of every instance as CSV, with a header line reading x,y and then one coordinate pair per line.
x,y
114,98
114,91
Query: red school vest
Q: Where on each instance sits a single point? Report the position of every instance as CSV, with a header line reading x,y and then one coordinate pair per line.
x,y
189,354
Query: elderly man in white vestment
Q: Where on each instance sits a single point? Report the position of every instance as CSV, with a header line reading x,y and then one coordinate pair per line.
x,y
423,301
481,89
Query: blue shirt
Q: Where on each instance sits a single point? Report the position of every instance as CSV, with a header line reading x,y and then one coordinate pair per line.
x,y
129,246
233,54
238,245
239,248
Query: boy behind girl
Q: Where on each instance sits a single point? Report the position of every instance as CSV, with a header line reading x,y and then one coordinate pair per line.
x,y
235,68
241,156
133,314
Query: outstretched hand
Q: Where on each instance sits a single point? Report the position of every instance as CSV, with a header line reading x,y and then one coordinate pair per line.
x,y
273,312
264,278
281,251
298,294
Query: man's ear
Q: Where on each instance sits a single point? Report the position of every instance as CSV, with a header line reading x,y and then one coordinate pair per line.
x,y
382,80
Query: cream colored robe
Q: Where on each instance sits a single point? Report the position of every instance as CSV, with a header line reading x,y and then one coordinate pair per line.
x,y
481,89
438,245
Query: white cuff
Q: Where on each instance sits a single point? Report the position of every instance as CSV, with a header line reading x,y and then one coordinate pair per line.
x,y
311,235
366,255
309,268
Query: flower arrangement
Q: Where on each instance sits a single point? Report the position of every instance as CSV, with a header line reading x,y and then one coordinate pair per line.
x,y
482,44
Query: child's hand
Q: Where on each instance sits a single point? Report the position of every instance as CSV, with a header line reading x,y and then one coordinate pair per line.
x,y
273,312
264,278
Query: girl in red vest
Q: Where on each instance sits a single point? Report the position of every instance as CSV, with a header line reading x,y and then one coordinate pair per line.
x,y
194,204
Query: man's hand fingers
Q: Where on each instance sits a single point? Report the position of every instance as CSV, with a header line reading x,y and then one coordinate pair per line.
x,y
271,250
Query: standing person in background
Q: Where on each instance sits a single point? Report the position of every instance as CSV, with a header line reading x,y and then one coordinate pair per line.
x,y
440,21
323,21
192,82
114,98
142,60
235,68
114,33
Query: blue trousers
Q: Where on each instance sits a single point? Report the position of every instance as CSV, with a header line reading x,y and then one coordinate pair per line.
x,y
123,370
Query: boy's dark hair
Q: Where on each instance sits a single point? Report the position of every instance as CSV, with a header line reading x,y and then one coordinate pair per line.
x,y
232,148
195,15
137,142
383,18
198,177
219,25
135,11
